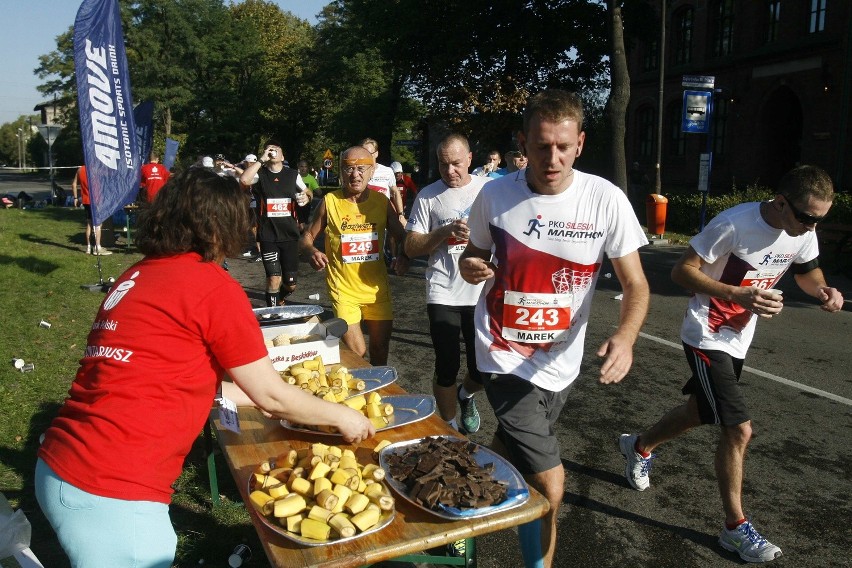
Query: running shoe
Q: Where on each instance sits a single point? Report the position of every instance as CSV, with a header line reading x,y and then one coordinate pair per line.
x,y
469,414
89,249
638,468
248,254
748,543
457,549
101,251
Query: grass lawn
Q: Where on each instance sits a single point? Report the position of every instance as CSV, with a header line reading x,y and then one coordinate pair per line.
x,y
42,268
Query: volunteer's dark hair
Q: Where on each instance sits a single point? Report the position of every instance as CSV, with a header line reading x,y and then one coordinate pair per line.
x,y
196,211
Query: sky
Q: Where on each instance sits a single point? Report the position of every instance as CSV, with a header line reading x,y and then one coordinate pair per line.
x,y
29,29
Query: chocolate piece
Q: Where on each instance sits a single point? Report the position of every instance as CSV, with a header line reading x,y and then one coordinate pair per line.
x,y
440,472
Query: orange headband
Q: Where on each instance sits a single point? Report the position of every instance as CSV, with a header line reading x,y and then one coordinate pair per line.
x,y
357,161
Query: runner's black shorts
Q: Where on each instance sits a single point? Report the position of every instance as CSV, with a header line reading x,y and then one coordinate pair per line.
x,y
445,323
281,259
715,383
526,414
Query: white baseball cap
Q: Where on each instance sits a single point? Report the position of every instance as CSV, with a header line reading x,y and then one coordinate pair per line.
x,y
207,162
251,158
396,167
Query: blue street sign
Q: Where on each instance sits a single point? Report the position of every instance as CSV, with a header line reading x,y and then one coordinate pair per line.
x,y
697,111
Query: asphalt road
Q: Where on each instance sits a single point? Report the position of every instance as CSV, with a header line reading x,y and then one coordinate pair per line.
x,y
798,384
797,473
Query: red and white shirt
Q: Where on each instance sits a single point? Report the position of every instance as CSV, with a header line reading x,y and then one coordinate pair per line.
x,y
531,318
740,249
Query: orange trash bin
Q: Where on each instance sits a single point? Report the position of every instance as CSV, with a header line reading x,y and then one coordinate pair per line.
x,y
655,209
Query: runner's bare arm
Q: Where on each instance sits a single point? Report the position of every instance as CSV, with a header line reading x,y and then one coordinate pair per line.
x,y
618,349
475,264
316,258
813,283
417,244
687,273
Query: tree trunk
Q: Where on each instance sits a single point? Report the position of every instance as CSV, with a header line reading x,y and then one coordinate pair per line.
x,y
167,121
619,96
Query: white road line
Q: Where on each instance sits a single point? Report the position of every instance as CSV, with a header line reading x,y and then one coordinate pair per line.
x,y
763,374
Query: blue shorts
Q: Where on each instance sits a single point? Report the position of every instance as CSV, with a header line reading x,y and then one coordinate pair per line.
x,y
99,531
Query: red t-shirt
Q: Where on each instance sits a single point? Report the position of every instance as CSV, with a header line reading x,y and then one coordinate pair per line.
x,y
83,180
154,177
153,362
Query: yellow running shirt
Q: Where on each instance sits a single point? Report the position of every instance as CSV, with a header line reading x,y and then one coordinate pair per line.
x,y
354,244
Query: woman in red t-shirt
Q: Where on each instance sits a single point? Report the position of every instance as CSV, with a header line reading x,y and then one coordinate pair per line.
x,y
168,330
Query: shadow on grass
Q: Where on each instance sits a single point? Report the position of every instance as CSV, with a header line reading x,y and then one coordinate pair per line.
x,y
22,460
29,263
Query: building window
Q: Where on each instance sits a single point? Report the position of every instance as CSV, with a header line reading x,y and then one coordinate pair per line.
x,y
645,128
720,125
650,57
817,16
724,28
682,31
677,138
774,18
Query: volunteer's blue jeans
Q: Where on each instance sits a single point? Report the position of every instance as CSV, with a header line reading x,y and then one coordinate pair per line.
x,y
99,532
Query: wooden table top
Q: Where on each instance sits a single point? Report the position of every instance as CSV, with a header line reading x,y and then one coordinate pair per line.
x,y
412,531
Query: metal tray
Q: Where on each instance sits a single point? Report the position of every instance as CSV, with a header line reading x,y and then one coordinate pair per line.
x,y
281,314
374,378
385,519
407,409
517,490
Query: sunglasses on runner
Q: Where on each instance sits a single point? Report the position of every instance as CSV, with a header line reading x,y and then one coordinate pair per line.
x,y
801,216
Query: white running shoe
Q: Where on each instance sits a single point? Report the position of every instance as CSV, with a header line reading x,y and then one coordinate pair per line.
x,y
101,251
748,543
88,249
638,468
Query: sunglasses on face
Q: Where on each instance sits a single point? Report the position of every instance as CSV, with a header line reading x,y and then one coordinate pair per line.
x,y
801,216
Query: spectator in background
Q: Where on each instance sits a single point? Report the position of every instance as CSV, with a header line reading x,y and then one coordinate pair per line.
x,y
514,161
223,167
81,180
491,166
405,185
304,213
154,177
254,249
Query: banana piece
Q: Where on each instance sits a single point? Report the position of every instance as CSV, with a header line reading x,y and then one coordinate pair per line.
x,y
292,504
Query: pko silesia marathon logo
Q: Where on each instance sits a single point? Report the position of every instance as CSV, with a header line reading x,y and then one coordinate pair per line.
x,y
562,230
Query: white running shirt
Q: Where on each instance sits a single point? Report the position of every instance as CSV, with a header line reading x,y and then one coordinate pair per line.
x,y
438,205
740,249
531,317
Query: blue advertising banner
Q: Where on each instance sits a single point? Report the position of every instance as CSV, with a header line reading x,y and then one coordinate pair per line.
x,y
107,127
171,153
697,110
143,115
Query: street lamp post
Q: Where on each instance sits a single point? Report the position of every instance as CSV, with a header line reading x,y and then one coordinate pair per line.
x,y
20,135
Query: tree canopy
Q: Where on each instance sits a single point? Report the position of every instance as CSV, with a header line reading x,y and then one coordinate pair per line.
x,y
225,76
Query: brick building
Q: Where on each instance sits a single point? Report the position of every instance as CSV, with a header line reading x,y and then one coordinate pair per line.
x,y
782,69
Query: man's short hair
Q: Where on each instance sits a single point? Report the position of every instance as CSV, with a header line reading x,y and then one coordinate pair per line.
x,y
554,105
511,155
451,138
273,142
806,181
